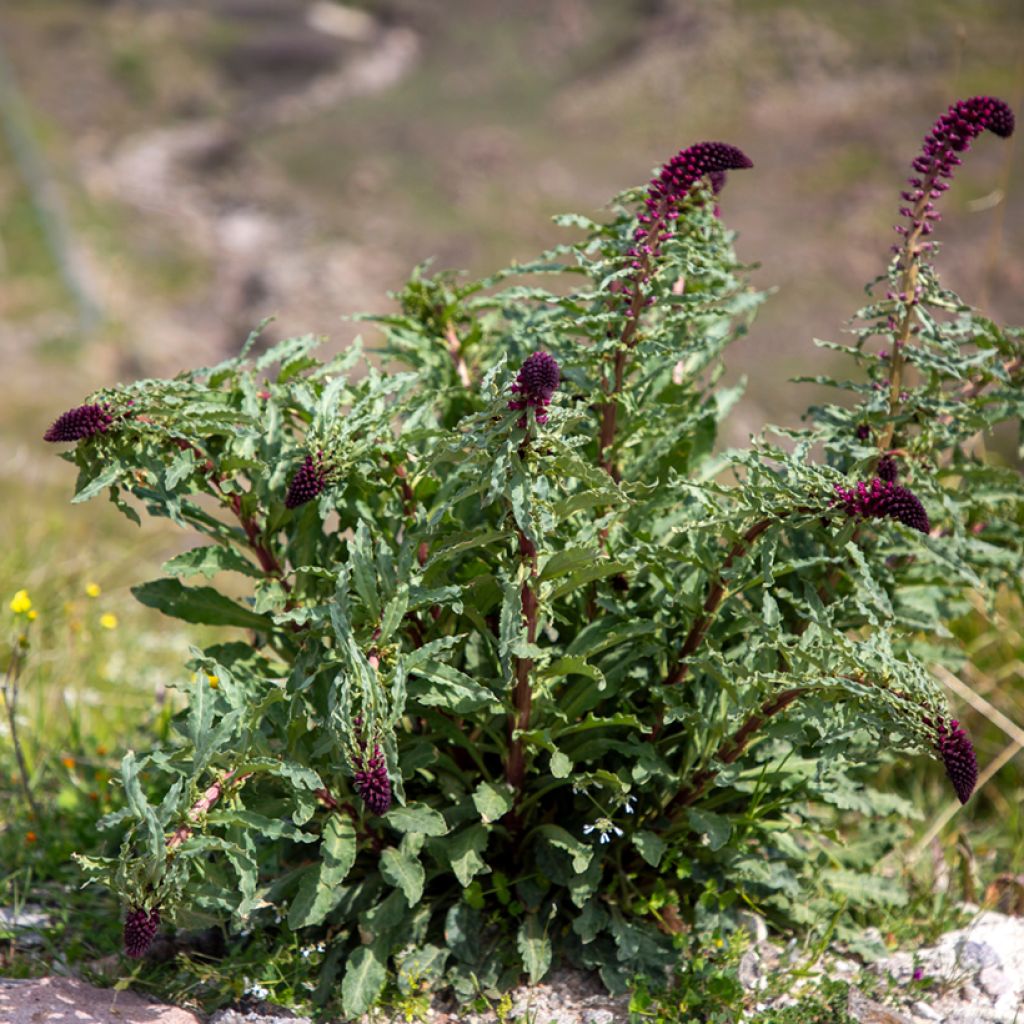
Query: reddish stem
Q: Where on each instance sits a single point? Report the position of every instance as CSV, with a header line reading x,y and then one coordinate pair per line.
x,y
201,807
522,695
731,749
455,351
716,591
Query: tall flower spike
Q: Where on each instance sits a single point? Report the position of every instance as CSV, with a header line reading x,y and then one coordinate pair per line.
x,y
883,499
372,782
536,382
82,422
667,192
140,929
308,483
957,753
951,135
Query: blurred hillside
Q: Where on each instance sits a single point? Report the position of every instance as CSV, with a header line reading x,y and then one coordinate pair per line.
x,y
223,160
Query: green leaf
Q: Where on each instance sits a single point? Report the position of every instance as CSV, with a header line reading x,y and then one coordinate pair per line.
x,y
198,604
364,980
417,818
270,828
650,845
563,840
364,570
320,889
209,561
108,476
591,921
567,560
561,766
714,826
403,871
437,685
595,571
464,853
492,800
534,948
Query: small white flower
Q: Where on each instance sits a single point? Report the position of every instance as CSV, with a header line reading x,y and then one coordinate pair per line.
x,y
628,804
605,838
587,829
618,831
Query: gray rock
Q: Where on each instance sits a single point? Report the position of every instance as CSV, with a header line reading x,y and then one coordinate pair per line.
x,y
253,1017
923,1009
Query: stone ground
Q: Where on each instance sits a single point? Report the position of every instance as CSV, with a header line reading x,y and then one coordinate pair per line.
x,y
974,975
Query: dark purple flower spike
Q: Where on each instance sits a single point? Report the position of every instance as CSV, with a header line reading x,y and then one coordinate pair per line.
x,y
308,483
372,782
140,928
951,135
80,423
536,382
883,499
667,192
957,753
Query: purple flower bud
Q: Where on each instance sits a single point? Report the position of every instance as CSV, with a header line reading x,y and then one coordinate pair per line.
x,y
536,382
140,929
951,134
309,481
957,753
372,782
883,499
888,468
82,422
863,432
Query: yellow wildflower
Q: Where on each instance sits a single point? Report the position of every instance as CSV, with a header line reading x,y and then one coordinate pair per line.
x,y
214,681
21,603
108,620
33,615
93,589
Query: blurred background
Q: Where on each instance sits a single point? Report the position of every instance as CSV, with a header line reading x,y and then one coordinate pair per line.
x,y
173,171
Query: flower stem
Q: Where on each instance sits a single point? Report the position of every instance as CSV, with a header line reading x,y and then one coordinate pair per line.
x,y
731,749
201,807
716,592
522,695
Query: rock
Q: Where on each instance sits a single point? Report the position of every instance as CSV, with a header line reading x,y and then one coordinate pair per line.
x,y
754,925
750,973
923,1009
28,920
255,1017
63,1000
867,1011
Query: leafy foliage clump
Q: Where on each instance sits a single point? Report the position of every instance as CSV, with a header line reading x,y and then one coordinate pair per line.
x,y
530,670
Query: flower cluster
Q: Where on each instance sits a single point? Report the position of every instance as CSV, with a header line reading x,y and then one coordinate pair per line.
x,y
82,422
308,483
372,782
883,499
666,193
535,383
888,469
951,134
957,753
140,928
